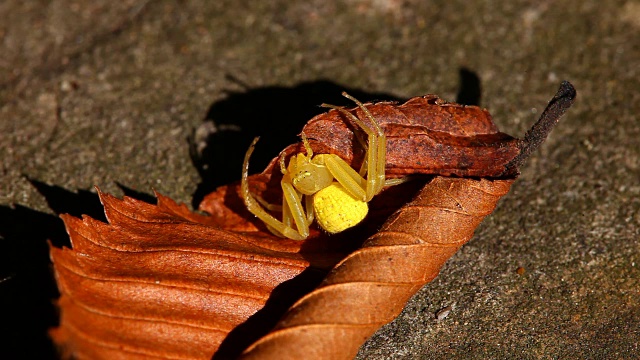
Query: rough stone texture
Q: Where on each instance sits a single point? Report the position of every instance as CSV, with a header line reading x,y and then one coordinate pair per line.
x,y
99,94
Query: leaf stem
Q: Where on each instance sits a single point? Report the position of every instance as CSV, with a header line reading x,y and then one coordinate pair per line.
x,y
560,103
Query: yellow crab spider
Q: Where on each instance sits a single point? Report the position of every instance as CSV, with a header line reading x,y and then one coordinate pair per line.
x,y
332,191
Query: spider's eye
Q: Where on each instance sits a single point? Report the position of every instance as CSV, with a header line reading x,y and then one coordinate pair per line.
x,y
302,175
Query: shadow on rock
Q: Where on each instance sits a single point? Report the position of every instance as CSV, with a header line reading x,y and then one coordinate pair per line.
x,y
470,92
28,287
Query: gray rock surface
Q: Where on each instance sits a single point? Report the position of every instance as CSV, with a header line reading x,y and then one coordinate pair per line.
x,y
107,95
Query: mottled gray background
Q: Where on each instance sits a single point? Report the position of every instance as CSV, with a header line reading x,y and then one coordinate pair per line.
x,y
94,93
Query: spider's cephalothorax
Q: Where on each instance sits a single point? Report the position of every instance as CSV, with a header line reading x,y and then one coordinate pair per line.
x,y
323,186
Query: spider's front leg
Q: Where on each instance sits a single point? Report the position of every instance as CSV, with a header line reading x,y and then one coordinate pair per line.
x,y
292,206
375,159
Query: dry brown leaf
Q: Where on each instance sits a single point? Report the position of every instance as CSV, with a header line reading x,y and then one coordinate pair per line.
x,y
425,135
152,281
159,281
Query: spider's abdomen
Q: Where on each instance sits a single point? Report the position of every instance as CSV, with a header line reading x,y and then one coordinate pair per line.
x,y
336,210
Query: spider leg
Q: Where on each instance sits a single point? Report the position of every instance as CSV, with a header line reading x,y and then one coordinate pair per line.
x,y
287,220
283,167
308,204
346,176
375,159
379,150
363,144
294,204
275,226
267,205
350,179
396,181
307,147
363,168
